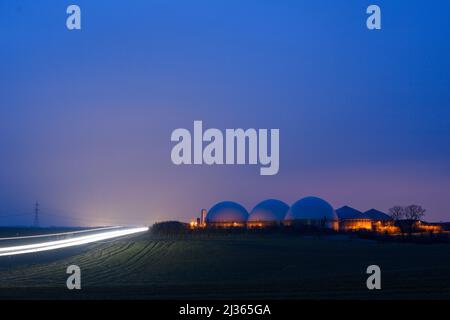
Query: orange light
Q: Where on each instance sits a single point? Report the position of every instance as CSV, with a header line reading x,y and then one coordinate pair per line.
x,y
430,228
353,225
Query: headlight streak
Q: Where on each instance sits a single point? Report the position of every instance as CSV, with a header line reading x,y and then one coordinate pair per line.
x,y
57,244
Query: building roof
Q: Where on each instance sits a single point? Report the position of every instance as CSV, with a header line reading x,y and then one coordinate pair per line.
x,y
311,208
347,213
375,214
268,211
227,211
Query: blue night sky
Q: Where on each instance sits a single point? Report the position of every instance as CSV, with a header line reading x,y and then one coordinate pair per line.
x,y
86,116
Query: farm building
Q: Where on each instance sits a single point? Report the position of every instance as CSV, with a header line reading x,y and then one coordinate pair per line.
x,y
227,214
351,219
377,215
267,213
381,222
312,211
308,211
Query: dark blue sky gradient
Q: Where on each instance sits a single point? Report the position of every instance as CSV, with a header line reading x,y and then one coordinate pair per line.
x,y
86,116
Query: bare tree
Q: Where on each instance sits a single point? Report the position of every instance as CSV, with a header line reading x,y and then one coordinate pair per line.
x,y
414,212
397,212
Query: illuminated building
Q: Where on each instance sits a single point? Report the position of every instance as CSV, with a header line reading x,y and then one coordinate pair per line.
x,y
227,214
414,226
312,211
193,224
429,227
267,213
351,219
306,212
199,222
381,222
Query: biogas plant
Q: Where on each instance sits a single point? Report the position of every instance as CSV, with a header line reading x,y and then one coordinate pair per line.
x,y
308,212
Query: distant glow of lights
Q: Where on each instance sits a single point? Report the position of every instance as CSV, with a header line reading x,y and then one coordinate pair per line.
x,y
57,244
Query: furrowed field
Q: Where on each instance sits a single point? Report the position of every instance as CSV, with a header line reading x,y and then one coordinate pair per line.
x,y
231,266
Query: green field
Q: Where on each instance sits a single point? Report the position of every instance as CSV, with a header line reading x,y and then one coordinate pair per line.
x,y
233,266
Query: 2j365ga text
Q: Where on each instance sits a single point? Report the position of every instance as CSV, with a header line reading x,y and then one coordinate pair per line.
x,y
226,310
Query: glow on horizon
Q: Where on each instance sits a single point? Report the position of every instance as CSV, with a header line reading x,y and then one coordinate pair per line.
x,y
58,244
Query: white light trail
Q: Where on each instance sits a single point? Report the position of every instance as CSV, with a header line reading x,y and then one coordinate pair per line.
x,y
57,244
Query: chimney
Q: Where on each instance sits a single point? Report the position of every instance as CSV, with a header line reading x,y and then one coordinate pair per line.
x,y
203,217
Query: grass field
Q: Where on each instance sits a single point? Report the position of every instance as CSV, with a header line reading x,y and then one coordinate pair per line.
x,y
234,266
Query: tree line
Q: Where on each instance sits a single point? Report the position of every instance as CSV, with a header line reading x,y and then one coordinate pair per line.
x,y
411,212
